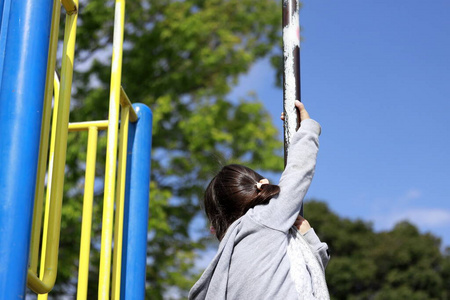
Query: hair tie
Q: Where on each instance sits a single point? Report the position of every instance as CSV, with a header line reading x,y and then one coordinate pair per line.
x,y
259,185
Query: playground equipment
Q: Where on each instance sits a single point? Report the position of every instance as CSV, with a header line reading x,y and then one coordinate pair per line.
x,y
28,44
291,71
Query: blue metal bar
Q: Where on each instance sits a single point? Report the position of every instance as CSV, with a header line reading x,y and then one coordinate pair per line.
x,y
137,191
21,102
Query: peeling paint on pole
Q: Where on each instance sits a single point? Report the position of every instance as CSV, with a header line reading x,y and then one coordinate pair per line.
x,y
291,74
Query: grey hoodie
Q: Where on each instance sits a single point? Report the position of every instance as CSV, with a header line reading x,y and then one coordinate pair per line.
x,y
252,261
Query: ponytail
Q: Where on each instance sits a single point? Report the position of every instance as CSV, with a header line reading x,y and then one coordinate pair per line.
x,y
231,193
263,196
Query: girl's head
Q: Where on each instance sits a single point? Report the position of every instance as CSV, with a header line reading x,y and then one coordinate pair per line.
x,y
231,193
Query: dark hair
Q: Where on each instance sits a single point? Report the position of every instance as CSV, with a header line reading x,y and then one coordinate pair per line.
x,y
231,193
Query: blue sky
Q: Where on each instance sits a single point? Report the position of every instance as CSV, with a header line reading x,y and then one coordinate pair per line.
x,y
376,75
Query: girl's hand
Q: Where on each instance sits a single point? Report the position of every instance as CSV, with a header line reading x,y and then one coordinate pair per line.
x,y
302,224
303,113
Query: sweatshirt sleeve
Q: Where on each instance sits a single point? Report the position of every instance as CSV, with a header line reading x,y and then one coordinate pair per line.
x,y
319,249
280,213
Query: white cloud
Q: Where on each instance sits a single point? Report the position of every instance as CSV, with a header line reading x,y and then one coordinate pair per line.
x,y
426,217
409,207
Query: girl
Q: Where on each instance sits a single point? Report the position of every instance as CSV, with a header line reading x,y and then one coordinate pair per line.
x,y
257,256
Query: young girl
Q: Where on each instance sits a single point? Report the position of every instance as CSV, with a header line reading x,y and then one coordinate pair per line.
x,y
252,219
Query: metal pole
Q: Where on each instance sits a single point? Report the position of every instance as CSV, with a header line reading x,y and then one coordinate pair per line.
x,y
24,66
111,153
291,72
137,191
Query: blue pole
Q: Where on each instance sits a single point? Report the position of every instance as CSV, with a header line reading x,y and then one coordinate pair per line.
x,y
136,206
21,100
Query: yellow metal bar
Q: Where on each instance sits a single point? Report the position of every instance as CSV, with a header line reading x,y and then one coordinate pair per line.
x,y
70,6
111,152
45,284
120,203
81,126
86,224
125,102
49,185
43,148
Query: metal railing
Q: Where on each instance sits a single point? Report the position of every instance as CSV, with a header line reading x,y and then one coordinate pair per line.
x,y
115,173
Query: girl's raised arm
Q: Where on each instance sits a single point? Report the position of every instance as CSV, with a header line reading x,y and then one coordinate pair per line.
x,y
280,213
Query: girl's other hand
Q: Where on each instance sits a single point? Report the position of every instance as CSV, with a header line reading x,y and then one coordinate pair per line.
x,y
302,224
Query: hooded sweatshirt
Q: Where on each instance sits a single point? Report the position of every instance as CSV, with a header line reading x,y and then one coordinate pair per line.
x,y
252,260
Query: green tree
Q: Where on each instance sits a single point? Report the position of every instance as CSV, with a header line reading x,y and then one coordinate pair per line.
x,y
181,58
